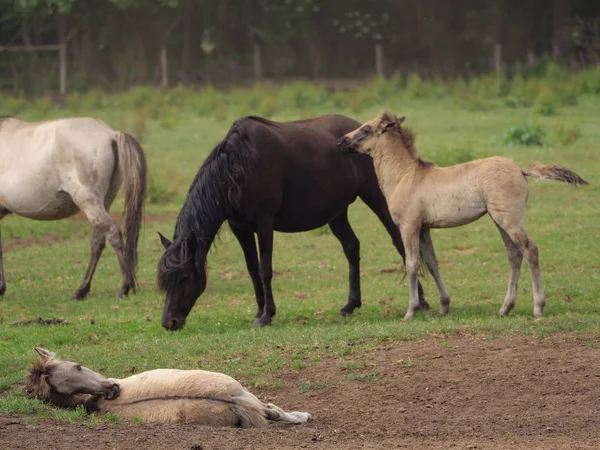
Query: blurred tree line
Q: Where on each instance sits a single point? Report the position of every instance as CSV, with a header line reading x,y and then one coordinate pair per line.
x,y
117,43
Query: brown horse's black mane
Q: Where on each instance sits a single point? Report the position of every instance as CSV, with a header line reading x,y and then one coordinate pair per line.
x,y
215,192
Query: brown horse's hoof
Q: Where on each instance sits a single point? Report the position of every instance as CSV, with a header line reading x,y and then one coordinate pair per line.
x,y
80,293
262,323
345,313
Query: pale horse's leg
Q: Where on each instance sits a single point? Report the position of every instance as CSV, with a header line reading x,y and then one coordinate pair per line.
x,y
104,226
97,245
3,212
511,221
431,261
410,237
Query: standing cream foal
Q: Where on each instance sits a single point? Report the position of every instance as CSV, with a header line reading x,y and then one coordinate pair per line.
x,y
421,195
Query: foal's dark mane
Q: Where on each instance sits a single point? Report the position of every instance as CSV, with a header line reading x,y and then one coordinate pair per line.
x,y
35,384
215,192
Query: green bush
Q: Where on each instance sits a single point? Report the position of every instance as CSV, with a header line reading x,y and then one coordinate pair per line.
x,y
524,135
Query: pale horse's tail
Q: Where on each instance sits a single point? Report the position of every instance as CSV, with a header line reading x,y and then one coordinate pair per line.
x,y
553,172
134,173
254,413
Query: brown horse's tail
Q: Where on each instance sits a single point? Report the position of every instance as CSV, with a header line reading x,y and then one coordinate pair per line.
x,y
553,172
134,173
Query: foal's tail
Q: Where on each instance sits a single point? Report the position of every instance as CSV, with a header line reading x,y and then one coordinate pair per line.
x,y
254,413
134,172
553,172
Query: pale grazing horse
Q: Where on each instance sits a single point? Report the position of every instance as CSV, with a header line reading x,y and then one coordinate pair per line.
x,y
161,395
52,170
422,196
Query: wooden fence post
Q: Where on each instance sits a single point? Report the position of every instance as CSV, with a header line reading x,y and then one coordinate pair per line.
x,y
498,59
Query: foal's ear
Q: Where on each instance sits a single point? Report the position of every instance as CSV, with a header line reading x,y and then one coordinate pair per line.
x,y
400,120
44,353
164,241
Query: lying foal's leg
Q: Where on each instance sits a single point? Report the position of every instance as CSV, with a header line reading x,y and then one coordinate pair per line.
x,y
432,264
515,257
274,412
410,236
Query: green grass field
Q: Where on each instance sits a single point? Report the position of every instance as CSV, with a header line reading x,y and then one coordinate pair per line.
x,y
45,261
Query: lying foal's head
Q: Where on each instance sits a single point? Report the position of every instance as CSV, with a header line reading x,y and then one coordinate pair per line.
x,y
366,138
65,383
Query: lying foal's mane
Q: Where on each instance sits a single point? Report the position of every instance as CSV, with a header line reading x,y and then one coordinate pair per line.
x,y
216,191
36,384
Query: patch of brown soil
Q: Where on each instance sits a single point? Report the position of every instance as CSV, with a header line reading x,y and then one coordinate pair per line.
x,y
453,393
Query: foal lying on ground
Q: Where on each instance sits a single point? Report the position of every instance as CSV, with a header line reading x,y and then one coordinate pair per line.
x,y
162,395
421,195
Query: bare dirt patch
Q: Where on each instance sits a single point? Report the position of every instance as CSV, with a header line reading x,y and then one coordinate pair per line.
x,y
460,392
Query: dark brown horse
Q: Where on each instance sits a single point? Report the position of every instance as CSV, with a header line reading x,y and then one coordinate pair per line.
x,y
270,176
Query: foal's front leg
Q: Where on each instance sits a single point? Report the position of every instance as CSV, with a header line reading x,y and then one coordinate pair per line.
x,y
410,236
431,261
265,245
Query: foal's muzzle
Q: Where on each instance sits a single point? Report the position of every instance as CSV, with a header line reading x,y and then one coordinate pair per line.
x,y
345,145
114,392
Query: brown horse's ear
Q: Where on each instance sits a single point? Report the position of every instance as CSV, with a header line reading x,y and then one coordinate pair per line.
x,y
164,241
44,353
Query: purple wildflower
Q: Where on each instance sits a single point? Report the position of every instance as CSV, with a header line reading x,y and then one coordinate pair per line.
x,y
574,64
556,50
530,58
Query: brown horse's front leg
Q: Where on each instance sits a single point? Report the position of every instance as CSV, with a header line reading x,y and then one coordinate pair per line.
x,y
246,240
265,245
342,230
